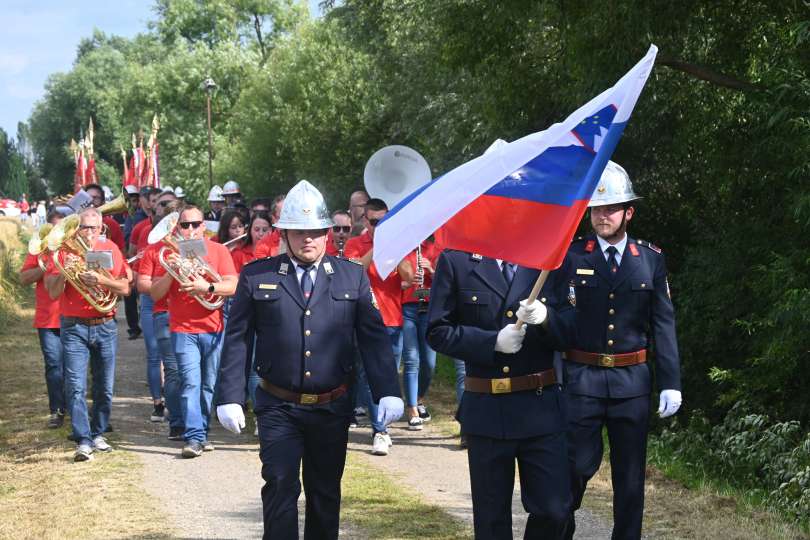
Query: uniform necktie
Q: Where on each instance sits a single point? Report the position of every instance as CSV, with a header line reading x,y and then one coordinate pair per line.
x,y
613,263
508,271
306,282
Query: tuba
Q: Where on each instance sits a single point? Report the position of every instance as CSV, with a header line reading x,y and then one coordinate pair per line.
x,y
391,174
118,205
38,245
183,269
64,238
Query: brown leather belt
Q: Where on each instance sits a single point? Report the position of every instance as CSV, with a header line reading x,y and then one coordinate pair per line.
x,y
303,399
535,381
95,321
607,360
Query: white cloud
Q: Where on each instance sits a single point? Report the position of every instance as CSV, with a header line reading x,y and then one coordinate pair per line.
x,y
13,63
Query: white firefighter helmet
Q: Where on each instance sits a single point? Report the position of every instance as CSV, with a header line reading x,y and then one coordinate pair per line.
x,y
108,194
304,209
131,190
230,188
168,189
179,193
215,194
614,187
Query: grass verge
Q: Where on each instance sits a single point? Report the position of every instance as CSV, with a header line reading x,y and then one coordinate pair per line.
x,y
43,494
375,502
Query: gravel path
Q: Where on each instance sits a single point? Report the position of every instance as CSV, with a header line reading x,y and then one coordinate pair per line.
x,y
217,496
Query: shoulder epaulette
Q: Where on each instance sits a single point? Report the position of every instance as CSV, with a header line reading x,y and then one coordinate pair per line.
x,y
257,260
576,239
649,245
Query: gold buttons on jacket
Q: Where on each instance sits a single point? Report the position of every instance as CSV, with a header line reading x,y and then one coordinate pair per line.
x,y
643,285
307,313
611,296
610,327
346,295
584,282
510,314
307,332
543,299
475,299
611,311
610,343
307,354
505,369
307,374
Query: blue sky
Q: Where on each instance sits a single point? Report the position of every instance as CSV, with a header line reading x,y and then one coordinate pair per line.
x,y
39,37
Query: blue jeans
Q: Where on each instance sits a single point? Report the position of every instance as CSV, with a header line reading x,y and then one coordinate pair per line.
x,y
51,345
152,357
363,389
198,364
461,372
419,358
96,345
171,383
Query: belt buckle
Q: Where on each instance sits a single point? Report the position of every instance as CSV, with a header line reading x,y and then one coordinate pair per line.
x,y
501,386
607,361
309,399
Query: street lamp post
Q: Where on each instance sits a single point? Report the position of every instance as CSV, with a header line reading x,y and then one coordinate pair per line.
x,y
209,85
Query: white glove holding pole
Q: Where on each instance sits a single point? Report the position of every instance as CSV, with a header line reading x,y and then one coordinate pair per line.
x,y
390,410
669,402
532,313
232,417
510,339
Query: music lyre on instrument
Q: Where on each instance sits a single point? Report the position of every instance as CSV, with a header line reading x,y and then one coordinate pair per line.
x,y
391,174
184,269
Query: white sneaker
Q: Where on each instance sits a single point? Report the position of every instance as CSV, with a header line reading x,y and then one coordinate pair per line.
x,y
415,423
380,444
100,444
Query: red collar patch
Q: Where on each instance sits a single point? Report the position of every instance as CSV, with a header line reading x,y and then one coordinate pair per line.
x,y
589,245
633,249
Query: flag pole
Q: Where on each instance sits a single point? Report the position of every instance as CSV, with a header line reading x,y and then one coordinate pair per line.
x,y
541,280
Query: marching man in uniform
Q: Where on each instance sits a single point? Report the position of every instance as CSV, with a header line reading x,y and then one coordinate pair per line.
x,y
619,286
513,408
308,312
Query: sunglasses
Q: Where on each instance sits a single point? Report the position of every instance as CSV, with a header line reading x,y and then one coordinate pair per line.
x,y
341,228
190,224
90,227
164,204
373,222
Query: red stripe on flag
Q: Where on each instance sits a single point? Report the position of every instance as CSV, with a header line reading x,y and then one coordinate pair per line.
x,y
528,233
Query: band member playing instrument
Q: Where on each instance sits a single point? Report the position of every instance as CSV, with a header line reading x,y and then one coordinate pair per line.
x,y
46,321
232,228
197,329
339,234
258,228
88,334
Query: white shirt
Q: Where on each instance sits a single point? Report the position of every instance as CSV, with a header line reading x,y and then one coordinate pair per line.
x,y
604,245
299,271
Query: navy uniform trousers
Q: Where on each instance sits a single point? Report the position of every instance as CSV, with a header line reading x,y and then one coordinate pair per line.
x,y
621,312
470,301
306,347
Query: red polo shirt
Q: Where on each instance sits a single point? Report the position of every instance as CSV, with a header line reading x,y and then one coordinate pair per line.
x,y
187,314
46,314
150,266
388,291
242,255
71,302
114,232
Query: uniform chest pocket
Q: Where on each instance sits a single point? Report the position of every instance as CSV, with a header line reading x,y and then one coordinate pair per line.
x,y
475,305
268,306
344,305
585,282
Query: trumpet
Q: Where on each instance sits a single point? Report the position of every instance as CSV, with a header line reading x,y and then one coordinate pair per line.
x,y
183,269
64,238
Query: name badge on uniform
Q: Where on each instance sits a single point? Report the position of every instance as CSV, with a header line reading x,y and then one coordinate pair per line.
x,y
282,269
584,271
268,286
327,267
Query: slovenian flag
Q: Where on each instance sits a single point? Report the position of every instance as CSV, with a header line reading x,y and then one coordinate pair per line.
x,y
520,201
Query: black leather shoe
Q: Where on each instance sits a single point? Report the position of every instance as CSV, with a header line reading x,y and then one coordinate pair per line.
x,y
134,334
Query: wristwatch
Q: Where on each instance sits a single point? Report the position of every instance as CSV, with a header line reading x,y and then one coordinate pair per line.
x,y
211,288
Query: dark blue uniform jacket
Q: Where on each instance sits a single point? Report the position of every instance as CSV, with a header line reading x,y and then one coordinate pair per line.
x,y
305,348
618,314
469,304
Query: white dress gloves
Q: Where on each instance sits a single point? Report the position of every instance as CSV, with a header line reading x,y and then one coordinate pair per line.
x,y
510,339
534,313
232,417
669,402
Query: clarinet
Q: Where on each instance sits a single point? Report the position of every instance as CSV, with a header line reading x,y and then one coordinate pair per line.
x,y
421,292
341,244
